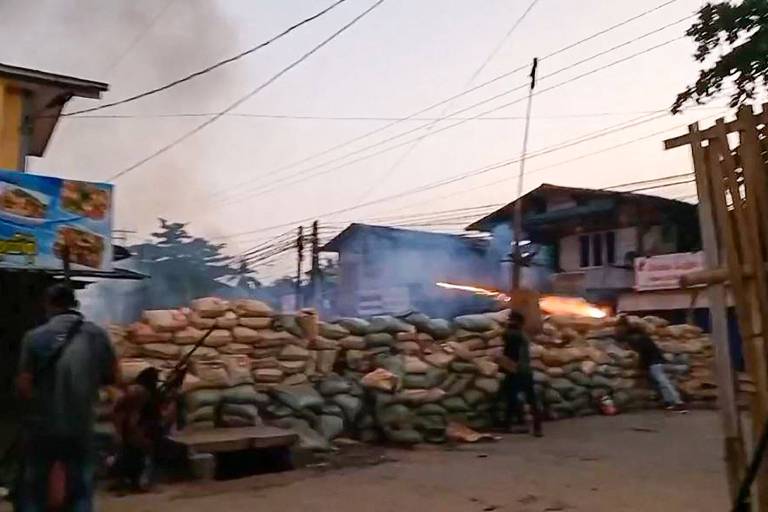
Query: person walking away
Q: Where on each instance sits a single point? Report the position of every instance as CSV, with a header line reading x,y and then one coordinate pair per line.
x,y
518,376
62,366
651,360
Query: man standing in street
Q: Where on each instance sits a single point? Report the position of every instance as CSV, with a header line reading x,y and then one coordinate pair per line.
x,y
518,375
652,360
63,364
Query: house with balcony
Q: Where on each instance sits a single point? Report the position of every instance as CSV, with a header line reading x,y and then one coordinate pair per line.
x,y
593,237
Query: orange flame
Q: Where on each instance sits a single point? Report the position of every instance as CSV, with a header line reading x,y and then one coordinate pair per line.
x,y
550,304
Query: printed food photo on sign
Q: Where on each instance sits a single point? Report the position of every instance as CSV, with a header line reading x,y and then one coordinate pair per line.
x,y
85,248
21,203
85,199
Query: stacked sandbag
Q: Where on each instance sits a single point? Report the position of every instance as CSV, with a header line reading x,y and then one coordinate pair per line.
x,y
203,389
240,401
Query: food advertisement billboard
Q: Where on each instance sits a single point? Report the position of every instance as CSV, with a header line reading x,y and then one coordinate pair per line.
x,y
41,215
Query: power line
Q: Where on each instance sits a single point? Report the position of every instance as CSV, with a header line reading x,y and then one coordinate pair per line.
x,y
243,99
209,68
463,93
282,181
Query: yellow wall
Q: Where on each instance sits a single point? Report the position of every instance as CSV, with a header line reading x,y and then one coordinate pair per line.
x,y
10,126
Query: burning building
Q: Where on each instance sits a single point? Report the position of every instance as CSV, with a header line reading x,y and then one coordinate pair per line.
x,y
389,270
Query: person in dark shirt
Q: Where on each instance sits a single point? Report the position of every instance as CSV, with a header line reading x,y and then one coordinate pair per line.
x,y
651,360
518,375
63,364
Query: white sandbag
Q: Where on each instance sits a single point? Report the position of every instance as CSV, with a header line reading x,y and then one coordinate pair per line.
x,y
293,353
212,374
296,379
326,359
256,322
141,333
227,321
266,362
245,335
131,368
210,307
252,308
160,350
236,348
238,369
267,375
415,365
218,338
352,342
188,336
200,353
165,320
198,322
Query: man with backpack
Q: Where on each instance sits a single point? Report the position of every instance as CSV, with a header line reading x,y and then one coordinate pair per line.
x,y
63,364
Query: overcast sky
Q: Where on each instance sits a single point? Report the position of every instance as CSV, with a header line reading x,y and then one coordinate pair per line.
x,y
404,56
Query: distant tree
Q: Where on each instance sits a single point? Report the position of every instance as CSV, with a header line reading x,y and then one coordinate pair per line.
x,y
735,37
182,266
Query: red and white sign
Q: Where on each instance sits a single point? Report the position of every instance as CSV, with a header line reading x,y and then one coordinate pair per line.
x,y
664,272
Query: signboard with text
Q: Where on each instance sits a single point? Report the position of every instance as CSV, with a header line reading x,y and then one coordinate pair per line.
x,y
41,215
664,272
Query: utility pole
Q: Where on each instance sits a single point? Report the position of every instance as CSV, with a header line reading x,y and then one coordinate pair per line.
x,y
317,293
299,260
517,224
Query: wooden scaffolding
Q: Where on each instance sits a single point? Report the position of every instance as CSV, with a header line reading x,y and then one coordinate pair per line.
x,y
730,161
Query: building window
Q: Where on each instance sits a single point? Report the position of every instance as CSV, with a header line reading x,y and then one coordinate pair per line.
x,y
597,249
610,247
584,250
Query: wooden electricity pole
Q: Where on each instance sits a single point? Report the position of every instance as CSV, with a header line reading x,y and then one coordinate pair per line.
x,y
517,224
299,260
317,291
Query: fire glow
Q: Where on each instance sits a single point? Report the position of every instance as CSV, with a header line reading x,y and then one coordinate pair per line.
x,y
550,304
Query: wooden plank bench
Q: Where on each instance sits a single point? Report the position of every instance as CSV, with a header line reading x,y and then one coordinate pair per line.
x,y
227,440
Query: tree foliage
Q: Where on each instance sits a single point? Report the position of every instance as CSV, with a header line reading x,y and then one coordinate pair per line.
x,y
734,39
183,267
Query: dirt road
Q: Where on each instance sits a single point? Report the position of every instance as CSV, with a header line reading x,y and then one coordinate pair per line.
x,y
639,462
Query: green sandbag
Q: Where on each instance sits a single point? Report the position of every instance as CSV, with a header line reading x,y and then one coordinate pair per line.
x,y
551,396
463,367
431,423
333,410
473,396
202,397
396,414
334,385
379,339
455,404
390,324
278,410
419,320
461,385
581,402
604,382
205,413
394,364
475,323
262,399
449,381
579,379
435,438
438,328
435,377
576,392
621,399
308,438
405,437
540,377
356,326
561,385
330,427
245,394
332,331
431,409
351,405
298,397
415,381
607,370
241,410
287,323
